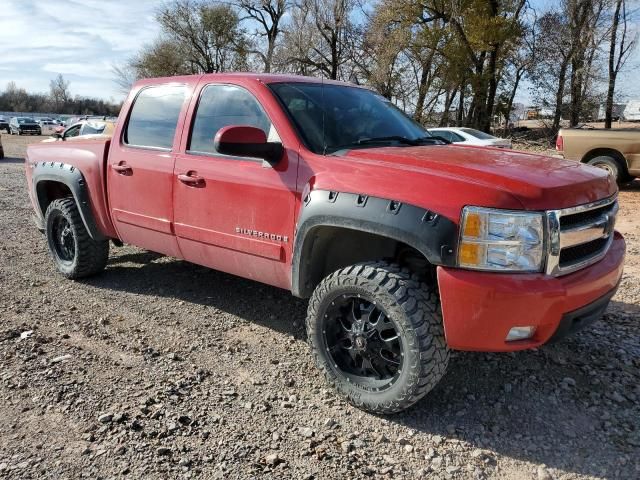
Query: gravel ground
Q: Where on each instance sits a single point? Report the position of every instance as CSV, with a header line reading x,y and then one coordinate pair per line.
x,y
162,369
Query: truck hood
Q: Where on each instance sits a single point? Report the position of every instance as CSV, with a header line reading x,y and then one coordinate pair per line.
x,y
538,182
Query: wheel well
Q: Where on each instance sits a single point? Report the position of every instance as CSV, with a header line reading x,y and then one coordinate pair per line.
x,y
607,152
50,190
328,248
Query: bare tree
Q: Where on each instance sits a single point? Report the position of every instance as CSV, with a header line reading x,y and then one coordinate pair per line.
x,y
125,75
317,38
584,21
553,62
59,92
207,34
621,44
268,15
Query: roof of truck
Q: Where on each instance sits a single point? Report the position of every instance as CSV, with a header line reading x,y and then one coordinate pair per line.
x,y
261,77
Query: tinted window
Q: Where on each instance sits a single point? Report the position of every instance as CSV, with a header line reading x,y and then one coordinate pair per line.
x,y
456,138
154,117
221,106
330,117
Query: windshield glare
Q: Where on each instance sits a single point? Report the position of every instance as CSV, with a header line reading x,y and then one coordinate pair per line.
x,y
350,115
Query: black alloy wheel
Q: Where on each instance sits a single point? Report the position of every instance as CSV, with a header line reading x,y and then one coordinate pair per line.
x,y
362,341
64,244
74,252
376,333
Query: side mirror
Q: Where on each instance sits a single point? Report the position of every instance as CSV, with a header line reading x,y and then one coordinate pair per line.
x,y
245,141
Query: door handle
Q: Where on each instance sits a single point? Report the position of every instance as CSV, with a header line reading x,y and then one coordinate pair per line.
x,y
191,179
122,169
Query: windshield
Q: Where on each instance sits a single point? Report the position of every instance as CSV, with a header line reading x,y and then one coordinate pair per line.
x,y
26,120
331,117
477,134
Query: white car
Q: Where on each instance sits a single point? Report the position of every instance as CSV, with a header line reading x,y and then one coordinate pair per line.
x,y
48,127
470,136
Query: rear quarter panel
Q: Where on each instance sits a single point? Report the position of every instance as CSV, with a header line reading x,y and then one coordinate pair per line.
x,y
89,156
578,144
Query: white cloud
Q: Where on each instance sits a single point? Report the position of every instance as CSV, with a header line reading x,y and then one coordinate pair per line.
x,y
80,39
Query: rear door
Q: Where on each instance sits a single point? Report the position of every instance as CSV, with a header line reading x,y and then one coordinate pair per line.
x,y
238,216
140,168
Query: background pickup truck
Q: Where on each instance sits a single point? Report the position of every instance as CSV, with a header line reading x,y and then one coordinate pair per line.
x,y
616,151
406,246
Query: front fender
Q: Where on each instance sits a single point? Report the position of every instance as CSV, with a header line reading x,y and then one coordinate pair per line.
x,y
428,232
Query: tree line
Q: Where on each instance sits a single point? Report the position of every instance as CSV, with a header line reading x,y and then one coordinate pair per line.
x,y
59,100
446,62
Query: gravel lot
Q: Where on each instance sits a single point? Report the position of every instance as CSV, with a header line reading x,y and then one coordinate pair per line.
x,y
163,369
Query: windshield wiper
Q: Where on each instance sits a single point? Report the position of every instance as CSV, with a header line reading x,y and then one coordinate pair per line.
x,y
391,138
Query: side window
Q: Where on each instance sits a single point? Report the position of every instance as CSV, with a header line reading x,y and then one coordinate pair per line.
x,y
72,132
455,138
154,116
221,106
446,134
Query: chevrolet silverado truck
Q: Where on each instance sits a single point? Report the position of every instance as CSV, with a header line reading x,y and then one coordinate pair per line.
x,y
407,247
615,151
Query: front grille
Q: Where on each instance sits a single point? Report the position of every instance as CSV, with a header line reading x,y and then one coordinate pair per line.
x,y
571,220
572,255
580,236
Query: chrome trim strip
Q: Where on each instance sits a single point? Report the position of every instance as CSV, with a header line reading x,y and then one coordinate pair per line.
x,y
585,232
589,206
553,229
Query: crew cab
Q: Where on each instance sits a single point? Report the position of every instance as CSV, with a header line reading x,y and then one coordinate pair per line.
x,y
406,246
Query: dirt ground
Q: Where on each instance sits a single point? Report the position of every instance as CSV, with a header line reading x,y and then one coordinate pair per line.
x,y
162,369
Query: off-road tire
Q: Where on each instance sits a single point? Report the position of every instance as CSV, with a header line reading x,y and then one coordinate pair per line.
x,y
413,306
90,255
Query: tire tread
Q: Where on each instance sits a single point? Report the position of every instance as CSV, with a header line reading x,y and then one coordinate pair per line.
x,y
92,255
421,305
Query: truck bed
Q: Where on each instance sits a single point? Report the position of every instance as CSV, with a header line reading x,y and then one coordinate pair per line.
x,y
88,155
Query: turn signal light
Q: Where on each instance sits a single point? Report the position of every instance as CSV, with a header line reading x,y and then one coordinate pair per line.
x,y
470,253
472,225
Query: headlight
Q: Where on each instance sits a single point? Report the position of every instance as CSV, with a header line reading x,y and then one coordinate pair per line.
x,y
501,240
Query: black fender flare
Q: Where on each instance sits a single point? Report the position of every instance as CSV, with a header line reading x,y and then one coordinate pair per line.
x,y
433,235
73,179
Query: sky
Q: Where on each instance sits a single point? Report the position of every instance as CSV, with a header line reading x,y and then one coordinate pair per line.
x,y
83,39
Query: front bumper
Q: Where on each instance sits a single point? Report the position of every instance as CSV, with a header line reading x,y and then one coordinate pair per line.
x,y
479,308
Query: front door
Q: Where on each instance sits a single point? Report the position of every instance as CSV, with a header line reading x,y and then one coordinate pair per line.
x,y
140,169
234,214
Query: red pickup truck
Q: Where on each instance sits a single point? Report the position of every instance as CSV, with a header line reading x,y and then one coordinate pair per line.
x,y
407,246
